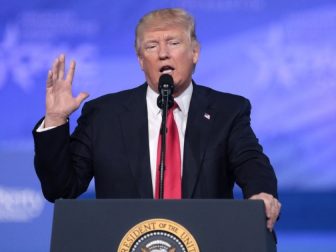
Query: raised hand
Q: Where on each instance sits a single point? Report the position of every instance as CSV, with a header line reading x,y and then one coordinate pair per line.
x,y
60,102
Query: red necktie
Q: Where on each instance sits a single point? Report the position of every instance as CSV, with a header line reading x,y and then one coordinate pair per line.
x,y
172,173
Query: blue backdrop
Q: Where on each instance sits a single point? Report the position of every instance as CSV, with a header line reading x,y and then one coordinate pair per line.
x,y
281,54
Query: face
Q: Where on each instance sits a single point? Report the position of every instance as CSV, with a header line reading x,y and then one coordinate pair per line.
x,y
167,50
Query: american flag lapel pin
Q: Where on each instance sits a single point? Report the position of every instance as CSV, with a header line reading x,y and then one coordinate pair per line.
x,y
207,116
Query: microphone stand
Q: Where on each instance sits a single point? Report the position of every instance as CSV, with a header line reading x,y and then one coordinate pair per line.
x,y
164,101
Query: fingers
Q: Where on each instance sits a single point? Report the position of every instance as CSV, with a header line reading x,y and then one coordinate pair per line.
x,y
269,207
61,66
272,208
49,79
71,72
272,212
54,69
270,225
57,70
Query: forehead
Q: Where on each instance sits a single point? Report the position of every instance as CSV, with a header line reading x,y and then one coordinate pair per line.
x,y
163,32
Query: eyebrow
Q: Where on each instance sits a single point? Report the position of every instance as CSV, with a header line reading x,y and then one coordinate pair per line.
x,y
166,39
150,41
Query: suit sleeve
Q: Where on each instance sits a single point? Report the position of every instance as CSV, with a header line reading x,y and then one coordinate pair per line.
x,y
251,167
62,162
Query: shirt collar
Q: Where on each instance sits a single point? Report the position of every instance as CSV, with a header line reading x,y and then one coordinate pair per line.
x,y
183,100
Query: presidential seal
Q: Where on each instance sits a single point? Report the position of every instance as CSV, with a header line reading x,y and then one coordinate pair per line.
x,y
158,235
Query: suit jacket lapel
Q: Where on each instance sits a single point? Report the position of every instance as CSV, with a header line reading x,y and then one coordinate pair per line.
x,y
199,123
134,126
135,131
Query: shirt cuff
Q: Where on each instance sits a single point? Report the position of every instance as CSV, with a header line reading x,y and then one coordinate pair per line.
x,y
41,128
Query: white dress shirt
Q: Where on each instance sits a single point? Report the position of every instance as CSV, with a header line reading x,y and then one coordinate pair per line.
x,y
154,124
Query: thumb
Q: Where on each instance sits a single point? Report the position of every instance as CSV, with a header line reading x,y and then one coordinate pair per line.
x,y
81,97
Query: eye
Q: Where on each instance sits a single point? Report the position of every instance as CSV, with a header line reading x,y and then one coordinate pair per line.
x,y
174,42
150,46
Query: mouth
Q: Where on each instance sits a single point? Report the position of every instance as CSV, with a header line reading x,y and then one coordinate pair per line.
x,y
166,69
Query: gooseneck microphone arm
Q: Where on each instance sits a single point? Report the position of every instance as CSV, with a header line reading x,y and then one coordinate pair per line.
x,y
164,102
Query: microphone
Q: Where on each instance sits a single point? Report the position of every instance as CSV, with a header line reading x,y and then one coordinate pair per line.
x,y
166,90
164,102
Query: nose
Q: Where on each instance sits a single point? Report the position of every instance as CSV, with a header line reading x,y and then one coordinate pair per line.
x,y
163,51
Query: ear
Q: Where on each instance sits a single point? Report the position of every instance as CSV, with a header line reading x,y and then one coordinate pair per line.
x,y
196,51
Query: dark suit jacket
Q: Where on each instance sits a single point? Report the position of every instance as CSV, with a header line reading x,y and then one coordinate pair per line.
x,y
111,144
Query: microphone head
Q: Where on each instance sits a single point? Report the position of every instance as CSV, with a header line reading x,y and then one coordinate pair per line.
x,y
166,82
166,90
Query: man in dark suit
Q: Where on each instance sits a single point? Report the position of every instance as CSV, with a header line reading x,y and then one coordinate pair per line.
x,y
116,139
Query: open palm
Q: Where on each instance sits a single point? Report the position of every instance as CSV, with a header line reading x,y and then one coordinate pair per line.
x,y
60,102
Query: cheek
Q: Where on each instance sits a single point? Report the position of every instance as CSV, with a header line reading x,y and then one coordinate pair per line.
x,y
147,66
150,72
147,60
186,64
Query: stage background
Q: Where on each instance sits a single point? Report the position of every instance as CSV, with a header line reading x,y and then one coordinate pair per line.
x,y
281,54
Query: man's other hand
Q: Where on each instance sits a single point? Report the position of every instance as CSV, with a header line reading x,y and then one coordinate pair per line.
x,y
272,208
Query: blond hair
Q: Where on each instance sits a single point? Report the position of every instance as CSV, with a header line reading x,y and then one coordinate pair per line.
x,y
162,18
